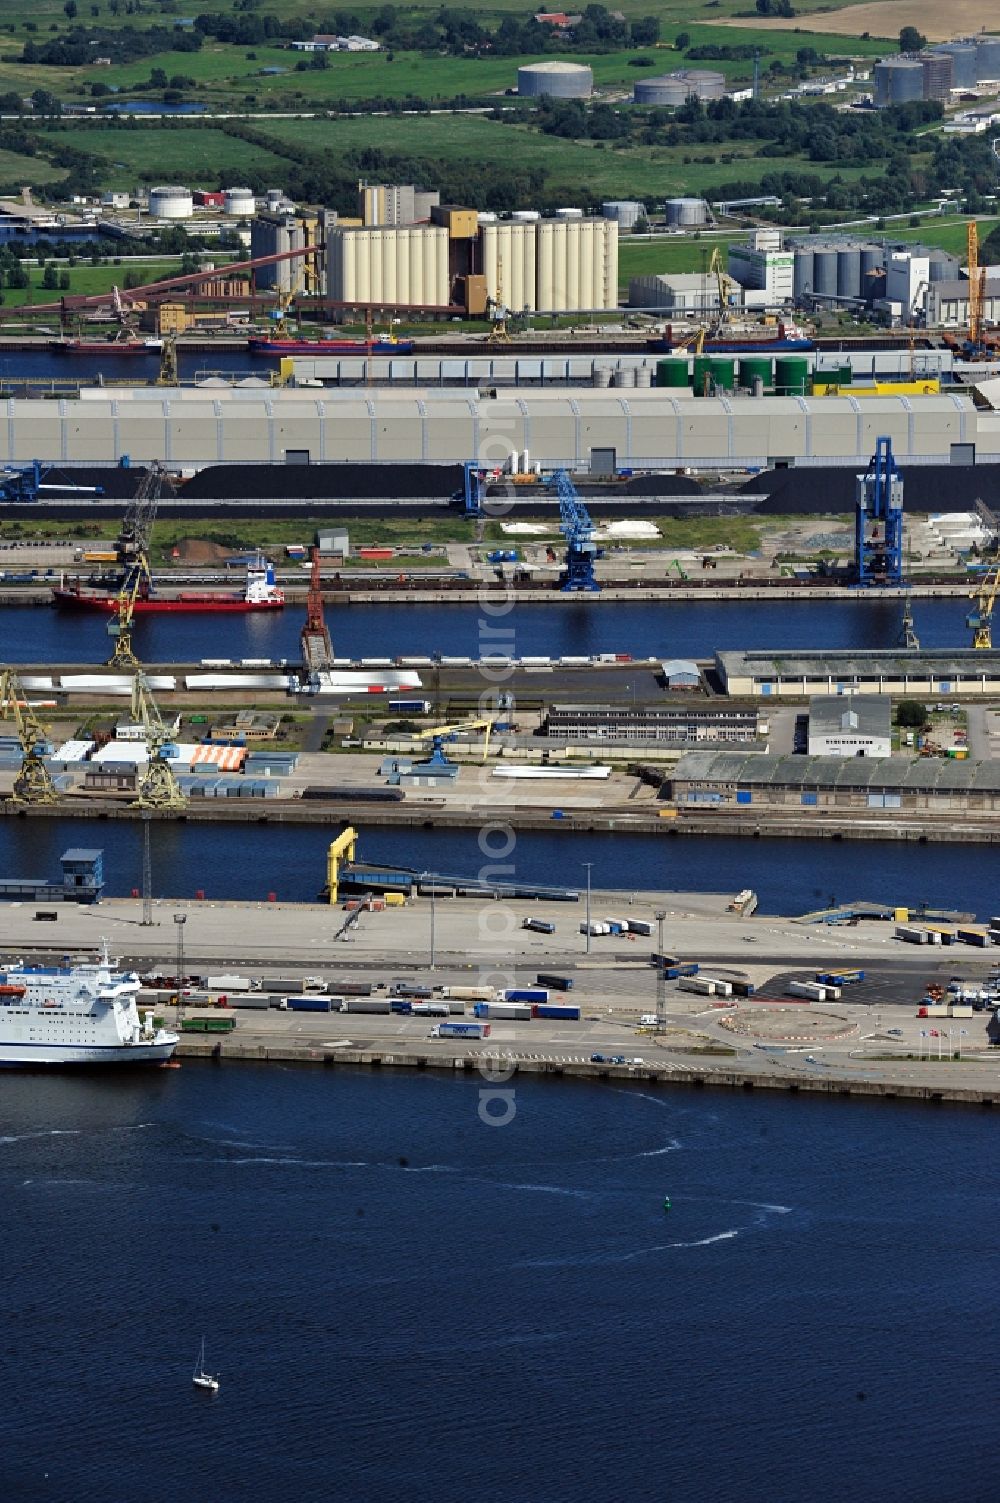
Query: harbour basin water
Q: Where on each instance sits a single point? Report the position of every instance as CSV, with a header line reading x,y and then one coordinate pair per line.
x,y
642,628
403,1302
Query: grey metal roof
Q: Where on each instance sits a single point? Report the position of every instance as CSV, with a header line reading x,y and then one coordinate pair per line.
x,y
831,714
879,774
950,663
674,667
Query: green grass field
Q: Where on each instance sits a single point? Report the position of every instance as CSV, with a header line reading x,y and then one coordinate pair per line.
x,y
196,154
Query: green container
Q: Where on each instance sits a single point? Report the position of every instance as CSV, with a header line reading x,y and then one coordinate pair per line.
x,y
791,376
752,366
673,372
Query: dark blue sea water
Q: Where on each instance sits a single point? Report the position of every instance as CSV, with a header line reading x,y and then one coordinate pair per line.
x,y
251,861
405,1303
642,628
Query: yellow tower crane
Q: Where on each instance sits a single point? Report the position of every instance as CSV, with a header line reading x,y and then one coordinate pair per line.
x,y
158,788
441,733
33,784
977,286
980,620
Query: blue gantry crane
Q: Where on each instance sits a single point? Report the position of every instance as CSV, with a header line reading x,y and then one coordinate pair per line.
x,y
878,520
576,525
26,482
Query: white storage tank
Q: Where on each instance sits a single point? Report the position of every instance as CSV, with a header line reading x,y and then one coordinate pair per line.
x,y
626,212
683,213
239,202
556,78
674,89
170,201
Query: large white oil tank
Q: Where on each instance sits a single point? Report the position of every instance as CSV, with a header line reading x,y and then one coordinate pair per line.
x,y
626,212
239,202
674,89
563,80
683,213
170,201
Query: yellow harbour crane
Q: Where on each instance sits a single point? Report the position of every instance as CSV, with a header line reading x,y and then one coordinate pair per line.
x,y
33,784
158,788
442,733
132,548
980,620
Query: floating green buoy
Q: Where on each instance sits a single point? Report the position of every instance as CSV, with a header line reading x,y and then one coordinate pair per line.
x,y
666,1202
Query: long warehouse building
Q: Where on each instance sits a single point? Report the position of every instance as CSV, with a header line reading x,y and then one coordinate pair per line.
x,y
646,429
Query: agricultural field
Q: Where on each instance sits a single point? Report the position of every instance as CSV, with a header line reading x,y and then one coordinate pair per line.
x,y
885,17
583,172
16,170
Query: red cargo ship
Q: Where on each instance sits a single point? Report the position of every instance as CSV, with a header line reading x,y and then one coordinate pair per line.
x,y
261,594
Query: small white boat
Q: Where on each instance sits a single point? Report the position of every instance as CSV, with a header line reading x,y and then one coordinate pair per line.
x,y
201,1378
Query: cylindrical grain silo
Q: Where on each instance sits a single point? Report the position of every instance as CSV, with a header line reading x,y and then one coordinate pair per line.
x,y
987,58
546,250
963,61
898,80
825,271
556,78
724,372
849,271
803,272
577,289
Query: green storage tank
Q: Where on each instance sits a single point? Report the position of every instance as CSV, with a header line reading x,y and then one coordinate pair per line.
x,y
724,372
672,372
703,376
752,366
791,376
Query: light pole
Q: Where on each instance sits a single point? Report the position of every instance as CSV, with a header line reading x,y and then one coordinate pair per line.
x,y
661,979
180,919
588,865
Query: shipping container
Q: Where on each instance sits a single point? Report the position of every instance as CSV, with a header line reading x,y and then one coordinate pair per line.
x,y
557,983
743,988
468,993
722,988
410,706
700,985
839,978
812,991
261,1000
215,1024
526,994
401,1005
436,1009
460,1031
307,1004
556,1010
911,934
978,937
351,988
640,926
518,1011
540,926
378,1005
229,983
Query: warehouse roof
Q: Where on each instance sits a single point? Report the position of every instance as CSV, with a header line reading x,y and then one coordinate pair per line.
x,y
752,770
863,714
946,663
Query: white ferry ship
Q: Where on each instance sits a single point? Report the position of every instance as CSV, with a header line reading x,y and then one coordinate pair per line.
x,y
78,1015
